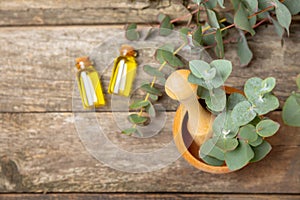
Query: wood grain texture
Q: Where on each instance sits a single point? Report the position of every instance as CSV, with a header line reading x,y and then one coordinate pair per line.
x,y
36,66
41,152
31,12
126,196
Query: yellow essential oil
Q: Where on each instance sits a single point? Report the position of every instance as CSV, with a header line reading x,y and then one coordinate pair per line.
x,y
89,84
124,72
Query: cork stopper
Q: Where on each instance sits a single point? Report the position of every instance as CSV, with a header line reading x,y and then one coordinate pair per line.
x,y
85,60
127,50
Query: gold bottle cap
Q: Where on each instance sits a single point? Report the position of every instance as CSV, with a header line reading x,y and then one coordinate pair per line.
x,y
127,50
85,60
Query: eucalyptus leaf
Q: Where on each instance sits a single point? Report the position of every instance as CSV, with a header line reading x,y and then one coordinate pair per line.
x,y
268,85
244,53
267,128
265,104
195,80
239,157
197,1
217,100
257,142
252,88
129,131
153,71
243,113
166,27
224,68
152,90
151,110
252,5
278,28
293,6
241,19
160,50
261,151
248,133
224,127
198,36
131,33
139,104
212,18
136,119
234,99
197,67
283,15
263,4
161,17
172,59
211,4
209,148
184,33
291,110
219,49
227,144
153,97
221,3
211,160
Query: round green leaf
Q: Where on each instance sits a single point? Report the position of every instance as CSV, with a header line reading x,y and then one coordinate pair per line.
x,y
136,119
172,59
209,148
291,110
267,128
244,53
224,68
243,113
161,17
139,104
198,67
152,90
252,88
216,100
293,6
219,49
198,36
278,28
257,142
131,33
227,144
153,71
239,157
153,97
251,5
234,99
209,74
268,85
160,50
248,133
211,160
212,18
283,15
265,104
241,19
223,125
261,151
166,27
151,110
129,131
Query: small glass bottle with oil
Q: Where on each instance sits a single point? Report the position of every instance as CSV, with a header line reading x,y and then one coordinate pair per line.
x,y
89,84
124,72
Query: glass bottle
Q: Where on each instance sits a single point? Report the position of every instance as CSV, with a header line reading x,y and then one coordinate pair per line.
x,y
89,84
124,72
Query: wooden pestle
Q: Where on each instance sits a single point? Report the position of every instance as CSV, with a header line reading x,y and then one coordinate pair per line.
x,y
199,120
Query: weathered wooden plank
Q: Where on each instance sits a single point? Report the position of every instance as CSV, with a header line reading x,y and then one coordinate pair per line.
x,y
37,64
18,12
41,152
134,196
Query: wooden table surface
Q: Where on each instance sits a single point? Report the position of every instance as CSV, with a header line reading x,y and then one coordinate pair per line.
x,y
40,150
